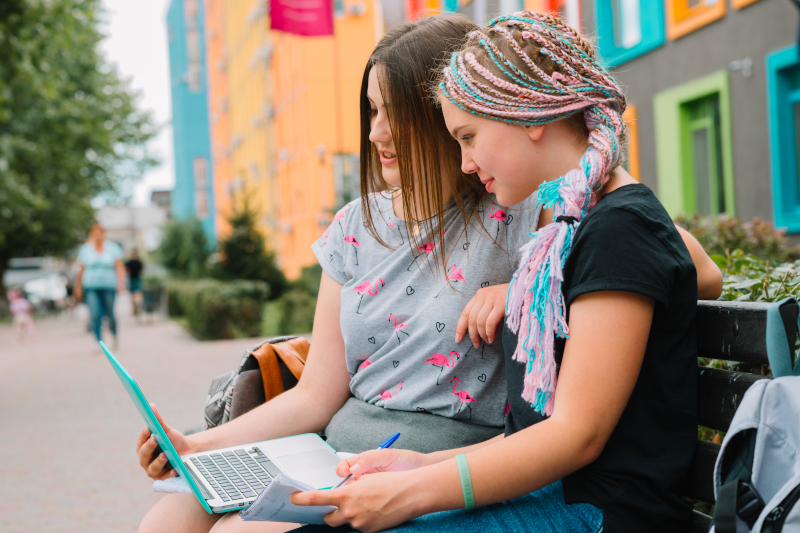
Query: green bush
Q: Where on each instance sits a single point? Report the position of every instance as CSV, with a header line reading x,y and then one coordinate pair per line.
x,y
720,234
749,278
291,313
219,310
184,248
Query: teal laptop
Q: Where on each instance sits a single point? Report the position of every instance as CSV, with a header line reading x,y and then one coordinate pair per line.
x,y
230,478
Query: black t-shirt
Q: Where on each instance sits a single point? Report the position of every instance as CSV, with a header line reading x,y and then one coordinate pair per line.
x,y
627,242
134,267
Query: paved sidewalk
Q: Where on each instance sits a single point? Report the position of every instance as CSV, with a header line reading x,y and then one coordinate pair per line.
x,y
68,429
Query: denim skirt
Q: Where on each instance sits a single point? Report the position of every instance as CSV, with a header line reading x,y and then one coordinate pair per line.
x,y
543,511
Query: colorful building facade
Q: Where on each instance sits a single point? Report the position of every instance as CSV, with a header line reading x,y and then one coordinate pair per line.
x,y
193,193
284,119
714,87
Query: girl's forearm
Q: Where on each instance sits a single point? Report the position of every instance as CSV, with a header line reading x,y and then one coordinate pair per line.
x,y
292,413
504,468
438,457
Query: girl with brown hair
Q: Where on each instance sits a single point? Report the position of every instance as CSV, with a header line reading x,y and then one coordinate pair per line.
x,y
601,430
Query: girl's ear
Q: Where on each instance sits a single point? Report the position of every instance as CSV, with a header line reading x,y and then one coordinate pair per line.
x,y
534,132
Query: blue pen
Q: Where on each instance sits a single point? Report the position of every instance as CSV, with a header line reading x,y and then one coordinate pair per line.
x,y
385,444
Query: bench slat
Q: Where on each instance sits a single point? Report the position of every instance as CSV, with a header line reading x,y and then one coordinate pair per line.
x,y
736,331
719,393
700,479
700,523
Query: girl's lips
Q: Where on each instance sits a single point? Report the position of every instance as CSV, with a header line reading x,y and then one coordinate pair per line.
x,y
387,160
488,185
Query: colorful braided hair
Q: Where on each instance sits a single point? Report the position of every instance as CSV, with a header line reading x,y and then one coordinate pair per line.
x,y
554,75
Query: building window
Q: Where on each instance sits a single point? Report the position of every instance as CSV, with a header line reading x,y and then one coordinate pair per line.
x,y
783,95
346,178
631,149
694,147
685,16
338,8
190,13
567,10
627,29
201,203
199,171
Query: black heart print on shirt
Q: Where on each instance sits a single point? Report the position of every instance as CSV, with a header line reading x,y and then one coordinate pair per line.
x,y
371,340
395,363
439,327
410,290
509,219
482,378
484,284
466,245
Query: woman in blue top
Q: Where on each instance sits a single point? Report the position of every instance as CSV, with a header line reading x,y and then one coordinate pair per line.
x,y
101,275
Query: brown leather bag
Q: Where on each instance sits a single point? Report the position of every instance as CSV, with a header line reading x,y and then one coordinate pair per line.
x,y
265,371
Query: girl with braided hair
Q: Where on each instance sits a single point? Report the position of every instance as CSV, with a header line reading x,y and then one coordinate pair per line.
x,y
600,338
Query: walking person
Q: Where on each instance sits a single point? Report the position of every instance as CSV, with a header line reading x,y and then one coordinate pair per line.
x,y
101,275
134,267
22,310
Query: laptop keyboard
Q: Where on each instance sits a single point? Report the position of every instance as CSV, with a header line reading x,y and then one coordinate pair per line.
x,y
235,475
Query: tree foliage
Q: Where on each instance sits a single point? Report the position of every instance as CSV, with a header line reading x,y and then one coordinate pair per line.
x,y
244,253
184,249
69,126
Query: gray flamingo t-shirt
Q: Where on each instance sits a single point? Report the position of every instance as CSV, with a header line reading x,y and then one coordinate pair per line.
x,y
399,312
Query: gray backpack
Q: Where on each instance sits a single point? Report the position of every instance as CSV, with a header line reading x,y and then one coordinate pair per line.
x,y
757,474
238,391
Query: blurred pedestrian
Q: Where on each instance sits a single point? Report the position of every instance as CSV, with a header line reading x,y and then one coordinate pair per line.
x,y
22,310
134,267
101,275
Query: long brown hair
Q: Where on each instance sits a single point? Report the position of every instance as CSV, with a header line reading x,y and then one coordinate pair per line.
x,y
408,57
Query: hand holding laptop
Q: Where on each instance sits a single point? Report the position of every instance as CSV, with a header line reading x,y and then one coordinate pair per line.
x,y
151,458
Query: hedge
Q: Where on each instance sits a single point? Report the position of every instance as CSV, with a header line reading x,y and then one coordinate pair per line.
x,y
219,309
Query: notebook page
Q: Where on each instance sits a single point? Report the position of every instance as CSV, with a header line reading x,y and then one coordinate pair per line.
x,y
273,504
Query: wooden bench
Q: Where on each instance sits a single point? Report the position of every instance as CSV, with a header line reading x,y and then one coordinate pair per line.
x,y
733,331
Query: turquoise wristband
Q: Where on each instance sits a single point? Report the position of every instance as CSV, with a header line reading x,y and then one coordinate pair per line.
x,y
466,481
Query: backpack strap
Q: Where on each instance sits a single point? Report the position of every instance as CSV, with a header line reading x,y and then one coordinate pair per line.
x,y
736,498
270,370
293,352
780,345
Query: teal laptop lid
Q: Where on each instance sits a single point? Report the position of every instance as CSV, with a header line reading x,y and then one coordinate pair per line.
x,y
152,422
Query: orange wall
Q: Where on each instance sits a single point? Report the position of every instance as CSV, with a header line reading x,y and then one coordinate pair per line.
x,y
218,114
314,89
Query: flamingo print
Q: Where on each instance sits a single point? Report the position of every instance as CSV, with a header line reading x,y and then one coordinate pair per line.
x,y
365,364
441,361
500,216
426,248
399,232
464,396
453,274
351,239
365,288
385,395
398,328
339,216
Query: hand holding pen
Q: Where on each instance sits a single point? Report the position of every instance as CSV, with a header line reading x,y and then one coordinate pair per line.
x,y
385,444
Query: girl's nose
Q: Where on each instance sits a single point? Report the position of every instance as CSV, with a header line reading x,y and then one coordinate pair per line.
x,y
468,166
380,131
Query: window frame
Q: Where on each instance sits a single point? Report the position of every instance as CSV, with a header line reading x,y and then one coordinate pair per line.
x,y
631,118
691,18
739,4
783,140
552,7
651,20
671,117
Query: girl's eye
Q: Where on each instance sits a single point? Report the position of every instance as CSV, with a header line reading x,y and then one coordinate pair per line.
x,y
373,111
466,138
